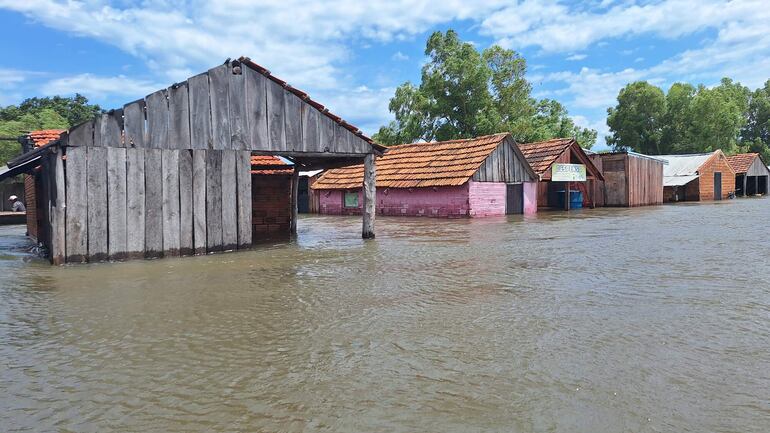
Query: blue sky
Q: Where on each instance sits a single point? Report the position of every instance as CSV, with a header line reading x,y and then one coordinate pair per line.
x,y
351,55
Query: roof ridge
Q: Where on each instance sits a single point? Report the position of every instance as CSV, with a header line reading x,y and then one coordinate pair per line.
x,y
455,140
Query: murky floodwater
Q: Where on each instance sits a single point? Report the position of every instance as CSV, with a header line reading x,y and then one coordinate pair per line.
x,y
653,319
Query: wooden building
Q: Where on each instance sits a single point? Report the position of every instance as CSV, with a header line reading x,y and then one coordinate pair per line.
x,y
544,155
752,177
698,177
474,177
630,179
169,174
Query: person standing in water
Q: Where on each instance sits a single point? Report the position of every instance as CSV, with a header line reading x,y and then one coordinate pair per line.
x,y
16,204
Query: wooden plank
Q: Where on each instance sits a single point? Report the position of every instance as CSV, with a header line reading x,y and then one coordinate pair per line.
x,y
82,135
326,133
243,176
294,202
135,202
256,108
214,200
117,246
77,204
111,129
157,120
275,116
239,127
153,203
185,203
311,136
293,114
133,117
96,178
170,191
199,200
229,201
58,248
98,122
220,108
179,117
369,192
200,112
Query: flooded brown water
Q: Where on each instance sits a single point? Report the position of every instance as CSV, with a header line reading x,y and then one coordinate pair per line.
x,y
630,320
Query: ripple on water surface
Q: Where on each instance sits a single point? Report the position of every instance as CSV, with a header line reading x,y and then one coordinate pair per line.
x,y
652,319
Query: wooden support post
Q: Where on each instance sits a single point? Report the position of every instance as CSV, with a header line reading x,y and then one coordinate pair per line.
x,y
370,199
566,196
57,216
756,185
294,193
744,184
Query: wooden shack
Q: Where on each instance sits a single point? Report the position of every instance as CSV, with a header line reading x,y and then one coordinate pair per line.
x,y
543,155
630,179
474,177
697,177
169,174
752,177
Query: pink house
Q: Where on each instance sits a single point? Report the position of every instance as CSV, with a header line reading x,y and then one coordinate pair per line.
x,y
477,177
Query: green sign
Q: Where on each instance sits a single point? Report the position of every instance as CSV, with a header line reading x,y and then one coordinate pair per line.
x,y
568,173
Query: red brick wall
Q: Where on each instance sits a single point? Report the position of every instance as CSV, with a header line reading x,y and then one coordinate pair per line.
x,y
718,164
30,197
270,204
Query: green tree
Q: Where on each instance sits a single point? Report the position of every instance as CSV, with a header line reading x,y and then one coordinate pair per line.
x,y
677,122
755,135
718,115
465,93
636,122
32,114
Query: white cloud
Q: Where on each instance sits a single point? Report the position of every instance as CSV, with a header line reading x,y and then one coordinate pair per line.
x,y
10,77
399,56
96,87
577,57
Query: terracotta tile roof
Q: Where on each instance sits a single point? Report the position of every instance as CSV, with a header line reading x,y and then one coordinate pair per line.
x,y
542,154
45,136
268,160
446,163
742,161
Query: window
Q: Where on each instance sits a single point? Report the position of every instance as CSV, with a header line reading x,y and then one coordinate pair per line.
x,y
350,200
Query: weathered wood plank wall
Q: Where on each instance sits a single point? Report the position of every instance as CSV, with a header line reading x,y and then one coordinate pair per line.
x,y
170,174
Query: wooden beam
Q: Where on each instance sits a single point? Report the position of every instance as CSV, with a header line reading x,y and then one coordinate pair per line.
x,y
200,112
229,201
243,176
370,193
96,177
220,107
77,205
116,203
58,204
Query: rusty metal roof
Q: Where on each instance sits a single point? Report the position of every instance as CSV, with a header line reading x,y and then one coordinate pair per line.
x,y
742,161
445,163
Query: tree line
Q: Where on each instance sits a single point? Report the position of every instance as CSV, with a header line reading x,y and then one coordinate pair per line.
x,y
33,114
465,93
691,119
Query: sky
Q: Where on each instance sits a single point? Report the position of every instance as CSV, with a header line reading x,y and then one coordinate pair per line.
x,y
350,55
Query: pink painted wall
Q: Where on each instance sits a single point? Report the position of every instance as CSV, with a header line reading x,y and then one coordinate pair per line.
x,y
530,198
474,199
431,202
486,198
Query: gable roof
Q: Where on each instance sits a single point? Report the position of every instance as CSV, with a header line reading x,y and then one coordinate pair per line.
x,y
742,161
45,136
445,163
542,154
266,164
684,165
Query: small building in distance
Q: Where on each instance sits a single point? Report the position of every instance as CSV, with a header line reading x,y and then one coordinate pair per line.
x,y
630,179
698,177
544,156
475,177
752,177
271,204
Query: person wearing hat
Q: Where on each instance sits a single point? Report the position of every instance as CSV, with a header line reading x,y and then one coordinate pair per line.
x,y
16,204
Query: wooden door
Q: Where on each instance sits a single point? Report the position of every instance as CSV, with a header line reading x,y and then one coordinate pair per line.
x,y
514,198
717,186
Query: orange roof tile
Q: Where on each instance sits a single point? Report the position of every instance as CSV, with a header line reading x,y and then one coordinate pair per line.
x,y
446,163
268,160
542,154
45,136
741,162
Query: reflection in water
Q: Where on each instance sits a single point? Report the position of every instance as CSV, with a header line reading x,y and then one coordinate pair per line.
x,y
652,319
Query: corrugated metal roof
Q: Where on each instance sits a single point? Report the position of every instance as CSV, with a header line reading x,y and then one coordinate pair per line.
x,y
446,163
684,165
678,180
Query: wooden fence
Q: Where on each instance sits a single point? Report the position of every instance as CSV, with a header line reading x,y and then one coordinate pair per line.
x,y
170,174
